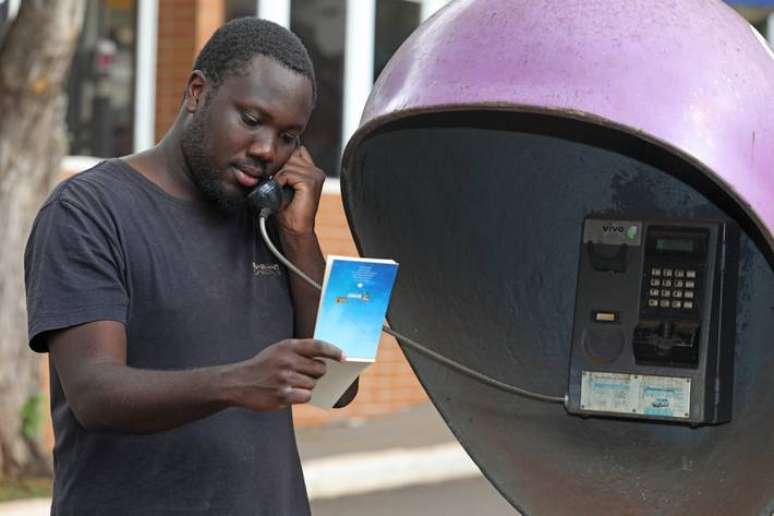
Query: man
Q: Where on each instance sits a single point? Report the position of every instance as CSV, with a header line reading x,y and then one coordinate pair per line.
x,y
167,321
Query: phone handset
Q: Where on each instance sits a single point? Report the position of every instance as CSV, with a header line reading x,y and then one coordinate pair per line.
x,y
268,197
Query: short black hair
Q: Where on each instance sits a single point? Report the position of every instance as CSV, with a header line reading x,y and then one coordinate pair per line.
x,y
240,40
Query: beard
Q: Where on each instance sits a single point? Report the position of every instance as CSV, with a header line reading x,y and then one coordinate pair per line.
x,y
202,171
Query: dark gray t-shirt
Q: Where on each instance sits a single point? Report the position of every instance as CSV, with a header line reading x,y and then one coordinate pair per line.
x,y
194,288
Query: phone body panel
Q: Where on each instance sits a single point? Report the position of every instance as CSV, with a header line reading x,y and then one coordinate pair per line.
x,y
654,323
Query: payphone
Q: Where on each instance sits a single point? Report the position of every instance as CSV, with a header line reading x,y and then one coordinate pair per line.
x,y
654,326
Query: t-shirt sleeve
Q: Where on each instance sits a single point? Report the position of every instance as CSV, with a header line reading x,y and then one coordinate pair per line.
x,y
74,271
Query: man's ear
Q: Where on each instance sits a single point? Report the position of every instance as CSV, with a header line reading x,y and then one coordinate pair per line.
x,y
195,91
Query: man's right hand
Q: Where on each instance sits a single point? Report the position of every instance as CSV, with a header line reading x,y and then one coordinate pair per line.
x,y
282,374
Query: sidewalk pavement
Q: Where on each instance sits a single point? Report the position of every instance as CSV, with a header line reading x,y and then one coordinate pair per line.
x,y
411,447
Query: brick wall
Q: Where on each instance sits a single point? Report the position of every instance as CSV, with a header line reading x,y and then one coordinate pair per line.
x,y
184,27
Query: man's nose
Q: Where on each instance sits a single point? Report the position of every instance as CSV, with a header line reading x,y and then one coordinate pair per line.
x,y
263,147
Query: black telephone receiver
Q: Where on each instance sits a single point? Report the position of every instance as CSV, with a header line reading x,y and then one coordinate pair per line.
x,y
268,197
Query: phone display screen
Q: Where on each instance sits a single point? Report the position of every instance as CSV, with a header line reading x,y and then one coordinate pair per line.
x,y
670,245
676,242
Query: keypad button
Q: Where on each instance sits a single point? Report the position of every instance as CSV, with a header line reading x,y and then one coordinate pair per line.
x,y
679,283
666,293
667,272
667,283
688,305
689,284
690,274
655,271
652,302
655,282
677,293
677,304
654,292
689,294
664,303
679,273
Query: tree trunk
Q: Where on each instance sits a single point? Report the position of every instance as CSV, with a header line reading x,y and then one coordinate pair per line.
x,y
34,59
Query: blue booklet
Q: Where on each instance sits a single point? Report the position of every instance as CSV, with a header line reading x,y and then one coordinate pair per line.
x,y
354,300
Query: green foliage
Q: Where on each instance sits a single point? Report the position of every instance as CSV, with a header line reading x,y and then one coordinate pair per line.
x,y
25,487
32,416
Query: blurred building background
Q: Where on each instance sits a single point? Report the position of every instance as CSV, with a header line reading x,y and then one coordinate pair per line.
x,y
134,57
130,70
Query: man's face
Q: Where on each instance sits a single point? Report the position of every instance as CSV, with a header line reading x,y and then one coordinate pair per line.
x,y
245,130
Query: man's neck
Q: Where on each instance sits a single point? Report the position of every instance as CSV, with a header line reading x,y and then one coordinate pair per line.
x,y
166,166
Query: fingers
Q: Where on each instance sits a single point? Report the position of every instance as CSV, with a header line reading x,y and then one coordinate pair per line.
x,y
308,368
314,348
303,152
301,161
297,395
312,367
299,172
285,373
296,380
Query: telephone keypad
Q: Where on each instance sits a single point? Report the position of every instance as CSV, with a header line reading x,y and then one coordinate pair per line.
x,y
671,288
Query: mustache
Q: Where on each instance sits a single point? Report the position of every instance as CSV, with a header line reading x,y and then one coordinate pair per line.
x,y
253,168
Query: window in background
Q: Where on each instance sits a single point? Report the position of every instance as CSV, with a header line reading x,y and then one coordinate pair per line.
x,y
395,21
240,8
758,17
100,89
321,25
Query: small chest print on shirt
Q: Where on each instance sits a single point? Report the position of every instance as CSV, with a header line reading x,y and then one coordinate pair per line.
x,y
265,269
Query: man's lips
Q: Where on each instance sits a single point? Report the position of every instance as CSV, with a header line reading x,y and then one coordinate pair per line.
x,y
247,177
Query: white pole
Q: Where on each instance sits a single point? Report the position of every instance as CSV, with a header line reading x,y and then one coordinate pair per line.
x,y
358,62
13,8
277,11
429,7
145,82
770,29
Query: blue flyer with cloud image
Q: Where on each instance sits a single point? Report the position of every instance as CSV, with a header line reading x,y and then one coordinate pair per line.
x,y
355,296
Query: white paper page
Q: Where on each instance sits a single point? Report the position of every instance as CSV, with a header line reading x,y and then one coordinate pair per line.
x,y
338,377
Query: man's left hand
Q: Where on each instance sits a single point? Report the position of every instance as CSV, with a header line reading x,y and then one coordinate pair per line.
x,y
306,179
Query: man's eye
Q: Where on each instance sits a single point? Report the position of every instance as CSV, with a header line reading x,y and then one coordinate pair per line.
x,y
290,138
249,120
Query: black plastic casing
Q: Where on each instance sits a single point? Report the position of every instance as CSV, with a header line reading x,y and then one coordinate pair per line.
x,y
633,338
